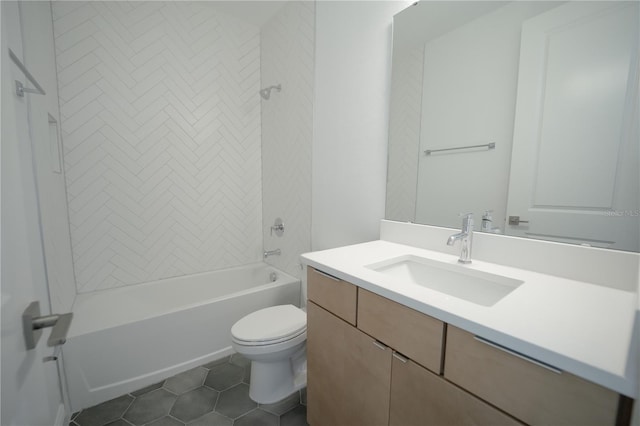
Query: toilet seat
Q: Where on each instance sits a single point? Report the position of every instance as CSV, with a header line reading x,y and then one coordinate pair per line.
x,y
270,326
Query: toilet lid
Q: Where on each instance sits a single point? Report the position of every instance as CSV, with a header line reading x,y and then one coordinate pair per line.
x,y
275,323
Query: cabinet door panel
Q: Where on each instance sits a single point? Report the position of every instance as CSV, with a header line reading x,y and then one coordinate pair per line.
x,y
409,332
348,374
337,296
528,391
419,397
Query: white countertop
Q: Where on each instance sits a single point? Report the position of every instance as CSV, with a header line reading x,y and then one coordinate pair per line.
x,y
584,329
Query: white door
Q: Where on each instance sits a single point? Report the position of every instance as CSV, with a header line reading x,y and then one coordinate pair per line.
x,y
31,388
44,121
574,171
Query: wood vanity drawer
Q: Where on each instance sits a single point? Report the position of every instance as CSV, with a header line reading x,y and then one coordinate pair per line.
x,y
337,296
529,392
412,333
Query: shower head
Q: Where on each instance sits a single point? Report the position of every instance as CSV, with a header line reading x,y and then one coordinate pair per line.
x,y
266,92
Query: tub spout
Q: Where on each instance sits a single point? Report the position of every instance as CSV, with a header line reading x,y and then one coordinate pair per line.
x,y
268,253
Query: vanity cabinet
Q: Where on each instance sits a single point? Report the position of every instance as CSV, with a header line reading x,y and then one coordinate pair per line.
x,y
337,296
417,394
413,334
348,373
372,361
420,397
531,392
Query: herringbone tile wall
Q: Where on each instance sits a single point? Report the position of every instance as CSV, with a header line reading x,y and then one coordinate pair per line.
x,y
287,58
404,133
161,128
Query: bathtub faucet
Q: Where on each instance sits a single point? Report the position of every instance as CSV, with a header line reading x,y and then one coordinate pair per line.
x,y
275,252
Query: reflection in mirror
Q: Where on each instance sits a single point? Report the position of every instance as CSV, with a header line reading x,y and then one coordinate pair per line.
x,y
553,85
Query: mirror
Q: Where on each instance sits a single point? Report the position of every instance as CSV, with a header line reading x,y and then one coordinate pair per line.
x,y
525,109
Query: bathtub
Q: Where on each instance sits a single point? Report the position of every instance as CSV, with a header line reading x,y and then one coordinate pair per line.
x,y
127,338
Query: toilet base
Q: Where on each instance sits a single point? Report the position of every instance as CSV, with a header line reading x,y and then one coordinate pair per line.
x,y
273,381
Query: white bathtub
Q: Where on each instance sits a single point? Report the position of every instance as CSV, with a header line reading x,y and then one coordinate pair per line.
x,y
124,339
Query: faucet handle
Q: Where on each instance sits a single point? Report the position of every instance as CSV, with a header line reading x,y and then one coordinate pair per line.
x,y
467,221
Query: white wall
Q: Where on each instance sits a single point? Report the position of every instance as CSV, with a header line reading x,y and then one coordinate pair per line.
x,y
287,55
161,126
352,70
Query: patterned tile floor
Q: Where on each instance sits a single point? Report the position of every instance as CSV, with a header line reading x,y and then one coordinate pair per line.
x,y
215,394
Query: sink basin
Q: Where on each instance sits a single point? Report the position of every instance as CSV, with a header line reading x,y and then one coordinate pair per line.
x,y
482,288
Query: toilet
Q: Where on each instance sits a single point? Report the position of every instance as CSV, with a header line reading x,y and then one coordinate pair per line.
x,y
274,340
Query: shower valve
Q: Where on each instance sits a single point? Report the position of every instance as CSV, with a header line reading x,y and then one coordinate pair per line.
x,y
278,227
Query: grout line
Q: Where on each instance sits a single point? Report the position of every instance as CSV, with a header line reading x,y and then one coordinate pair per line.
x,y
215,405
177,419
244,414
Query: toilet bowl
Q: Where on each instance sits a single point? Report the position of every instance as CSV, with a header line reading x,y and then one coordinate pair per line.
x,y
274,340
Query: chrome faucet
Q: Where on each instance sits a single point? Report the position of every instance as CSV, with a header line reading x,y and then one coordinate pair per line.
x,y
268,253
466,238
